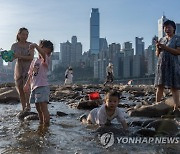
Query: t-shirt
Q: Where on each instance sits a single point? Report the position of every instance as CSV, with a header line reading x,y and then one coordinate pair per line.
x,y
99,115
38,70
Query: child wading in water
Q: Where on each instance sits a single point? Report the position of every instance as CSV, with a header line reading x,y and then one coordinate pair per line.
x,y
38,80
107,112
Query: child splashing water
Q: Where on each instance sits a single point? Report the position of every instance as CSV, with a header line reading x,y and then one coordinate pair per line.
x,y
37,80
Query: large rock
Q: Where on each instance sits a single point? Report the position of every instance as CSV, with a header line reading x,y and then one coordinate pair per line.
x,y
155,110
89,104
167,126
9,95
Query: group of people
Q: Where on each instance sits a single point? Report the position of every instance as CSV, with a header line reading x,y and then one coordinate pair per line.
x,y
31,75
32,85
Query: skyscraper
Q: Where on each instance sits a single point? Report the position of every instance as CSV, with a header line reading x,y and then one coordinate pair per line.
x,y
139,46
178,29
160,26
94,31
71,53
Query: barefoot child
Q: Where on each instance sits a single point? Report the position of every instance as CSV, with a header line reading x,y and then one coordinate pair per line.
x,y
107,112
38,80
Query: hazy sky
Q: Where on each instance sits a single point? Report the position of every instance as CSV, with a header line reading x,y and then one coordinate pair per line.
x,y
59,20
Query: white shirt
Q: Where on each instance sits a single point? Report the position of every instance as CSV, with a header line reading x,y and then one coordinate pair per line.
x,y
99,115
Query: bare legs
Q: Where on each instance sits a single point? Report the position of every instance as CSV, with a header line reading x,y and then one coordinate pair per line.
x,y
175,95
24,97
43,113
159,93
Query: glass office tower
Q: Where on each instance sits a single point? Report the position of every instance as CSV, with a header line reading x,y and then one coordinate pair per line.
x,y
94,31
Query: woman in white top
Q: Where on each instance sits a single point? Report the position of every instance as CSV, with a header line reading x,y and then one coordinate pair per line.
x,y
68,76
109,74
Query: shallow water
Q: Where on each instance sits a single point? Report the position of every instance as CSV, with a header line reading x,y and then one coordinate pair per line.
x,y
64,135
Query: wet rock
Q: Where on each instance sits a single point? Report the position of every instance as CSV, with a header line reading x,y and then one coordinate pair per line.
x,y
21,115
168,116
124,105
136,123
116,130
164,125
145,123
91,86
10,95
53,88
138,93
77,87
31,117
61,114
89,104
73,95
155,110
145,132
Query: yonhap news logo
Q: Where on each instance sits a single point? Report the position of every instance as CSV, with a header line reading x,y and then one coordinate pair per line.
x,y
108,139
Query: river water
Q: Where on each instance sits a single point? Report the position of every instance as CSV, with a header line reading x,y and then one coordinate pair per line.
x,y
65,135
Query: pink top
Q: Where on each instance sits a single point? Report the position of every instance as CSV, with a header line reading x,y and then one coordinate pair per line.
x,y
38,70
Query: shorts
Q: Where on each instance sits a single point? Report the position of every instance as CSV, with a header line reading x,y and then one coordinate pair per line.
x,y
40,95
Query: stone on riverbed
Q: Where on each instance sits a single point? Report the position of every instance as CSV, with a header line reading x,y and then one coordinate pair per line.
x,y
154,110
21,115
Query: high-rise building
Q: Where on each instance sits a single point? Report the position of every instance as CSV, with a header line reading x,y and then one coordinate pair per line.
x,y
102,60
94,31
71,53
127,66
139,46
65,53
76,51
127,49
178,29
113,49
54,60
160,26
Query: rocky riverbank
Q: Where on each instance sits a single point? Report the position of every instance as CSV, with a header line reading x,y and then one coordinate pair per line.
x,y
66,133
137,101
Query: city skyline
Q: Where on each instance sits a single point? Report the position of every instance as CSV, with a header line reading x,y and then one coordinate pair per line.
x,y
58,21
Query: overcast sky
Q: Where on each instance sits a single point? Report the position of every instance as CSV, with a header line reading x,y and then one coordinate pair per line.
x,y
59,20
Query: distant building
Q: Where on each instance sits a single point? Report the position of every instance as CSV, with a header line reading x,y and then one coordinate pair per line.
x,y
65,49
127,67
71,53
113,49
76,52
94,31
54,60
103,59
178,29
137,63
151,58
114,54
160,26
139,46
127,49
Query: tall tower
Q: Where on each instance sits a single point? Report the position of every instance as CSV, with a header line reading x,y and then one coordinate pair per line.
x,y
94,31
160,26
139,46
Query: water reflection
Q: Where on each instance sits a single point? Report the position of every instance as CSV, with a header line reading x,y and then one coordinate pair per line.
x,y
64,135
